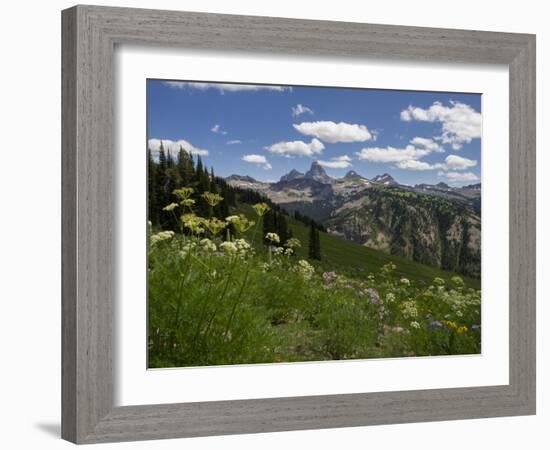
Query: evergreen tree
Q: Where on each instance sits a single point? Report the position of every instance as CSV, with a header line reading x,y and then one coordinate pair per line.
x,y
314,249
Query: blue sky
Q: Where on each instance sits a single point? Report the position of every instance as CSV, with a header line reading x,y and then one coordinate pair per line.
x,y
265,131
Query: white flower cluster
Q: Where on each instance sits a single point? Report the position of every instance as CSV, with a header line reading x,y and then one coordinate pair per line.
x,y
242,246
273,237
208,245
161,236
305,268
409,309
228,247
187,248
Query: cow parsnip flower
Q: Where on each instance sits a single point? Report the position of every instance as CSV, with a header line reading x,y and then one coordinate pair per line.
x,y
170,207
212,199
228,247
261,208
273,237
183,193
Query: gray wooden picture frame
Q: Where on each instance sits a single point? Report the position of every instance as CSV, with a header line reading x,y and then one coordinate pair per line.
x,y
90,34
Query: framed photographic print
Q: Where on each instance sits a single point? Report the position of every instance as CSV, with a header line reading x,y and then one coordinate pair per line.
x,y
267,230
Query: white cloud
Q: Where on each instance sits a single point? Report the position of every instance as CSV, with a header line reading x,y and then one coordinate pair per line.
x,y
174,147
428,144
413,164
460,122
297,148
218,129
257,159
457,177
338,162
300,109
233,142
454,162
333,132
226,87
391,154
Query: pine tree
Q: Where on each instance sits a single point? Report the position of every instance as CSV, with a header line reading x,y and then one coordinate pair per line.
x,y
314,248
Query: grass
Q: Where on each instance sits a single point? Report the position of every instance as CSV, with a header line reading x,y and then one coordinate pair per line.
x,y
356,260
215,302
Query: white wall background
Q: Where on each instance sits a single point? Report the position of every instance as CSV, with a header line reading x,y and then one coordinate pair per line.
x,y
31,208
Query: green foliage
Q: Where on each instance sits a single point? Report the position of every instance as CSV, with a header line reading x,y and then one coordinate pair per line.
x,y
213,301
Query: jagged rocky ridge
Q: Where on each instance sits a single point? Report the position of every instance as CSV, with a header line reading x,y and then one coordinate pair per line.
x,y
436,225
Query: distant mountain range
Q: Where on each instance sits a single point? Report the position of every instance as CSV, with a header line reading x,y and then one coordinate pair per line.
x,y
434,224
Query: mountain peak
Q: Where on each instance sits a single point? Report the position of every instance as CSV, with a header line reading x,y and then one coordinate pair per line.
x,y
352,174
317,173
386,179
292,175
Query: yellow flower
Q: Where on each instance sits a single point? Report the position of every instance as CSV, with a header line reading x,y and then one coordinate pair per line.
x,y
461,329
194,223
240,222
183,193
261,208
212,199
214,225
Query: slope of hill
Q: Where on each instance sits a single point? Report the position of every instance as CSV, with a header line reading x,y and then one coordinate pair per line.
x,y
437,225
357,260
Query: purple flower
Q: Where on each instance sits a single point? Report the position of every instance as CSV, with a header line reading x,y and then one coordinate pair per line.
x,y
435,325
374,297
329,275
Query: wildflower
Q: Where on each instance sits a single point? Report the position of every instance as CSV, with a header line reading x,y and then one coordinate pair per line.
x,y
193,222
414,324
405,281
389,267
293,243
278,251
329,275
161,236
240,222
228,247
409,309
170,207
183,193
374,296
188,202
449,324
215,225
476,327
273,237
208,245
242,246
439,281
261,208
289,252
211,198
435,325
457,281
305,268
187,248
462,329
390,297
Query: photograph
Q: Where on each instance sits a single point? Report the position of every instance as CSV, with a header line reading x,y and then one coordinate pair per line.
x,y
291,224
